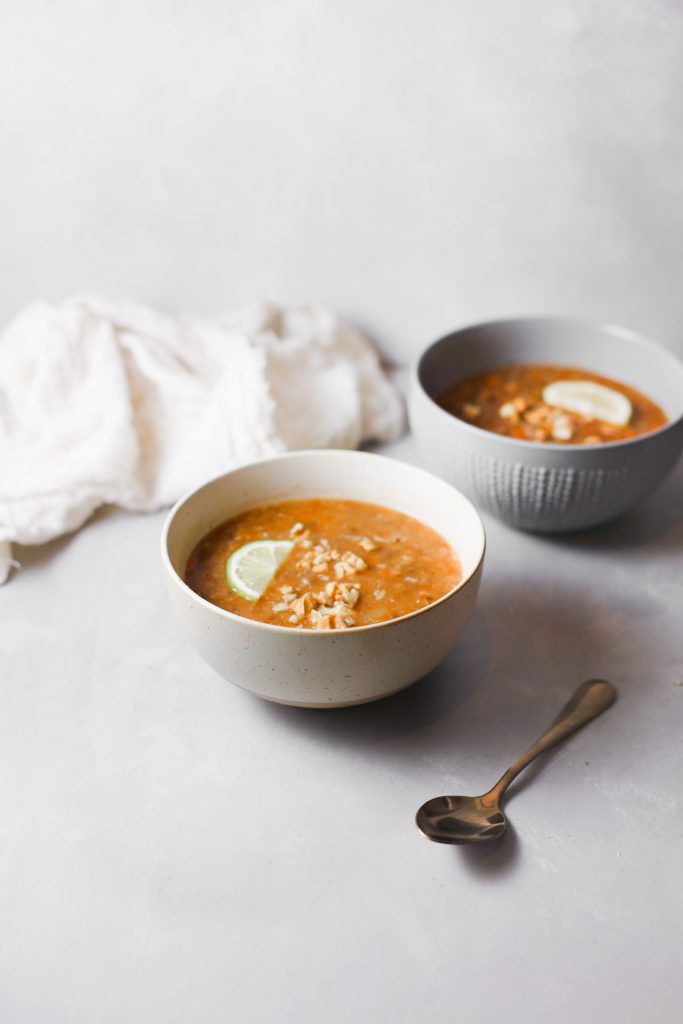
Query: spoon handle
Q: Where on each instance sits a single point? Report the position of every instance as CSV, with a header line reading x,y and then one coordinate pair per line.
x,y
588,701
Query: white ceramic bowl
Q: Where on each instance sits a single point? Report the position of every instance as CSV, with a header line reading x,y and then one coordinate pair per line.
x,y
312,668
538,486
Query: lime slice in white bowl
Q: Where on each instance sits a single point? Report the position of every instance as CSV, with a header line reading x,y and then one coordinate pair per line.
x,y
595,401
250,569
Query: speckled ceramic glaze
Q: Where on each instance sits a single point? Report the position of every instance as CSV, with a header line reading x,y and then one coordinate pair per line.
x,y
312,668
538,486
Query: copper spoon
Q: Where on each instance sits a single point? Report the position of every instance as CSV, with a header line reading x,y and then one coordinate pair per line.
x,y
476,819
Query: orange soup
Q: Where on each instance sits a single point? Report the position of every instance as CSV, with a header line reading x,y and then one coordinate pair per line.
x,y
343,564
518,401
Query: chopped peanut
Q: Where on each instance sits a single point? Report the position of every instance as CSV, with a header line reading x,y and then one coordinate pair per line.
x,y
507,410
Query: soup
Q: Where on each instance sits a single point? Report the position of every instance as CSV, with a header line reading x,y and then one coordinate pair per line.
x,y
336,564
555,404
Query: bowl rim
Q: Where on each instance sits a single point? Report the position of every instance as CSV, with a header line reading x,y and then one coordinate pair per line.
x,y
550,446
322,633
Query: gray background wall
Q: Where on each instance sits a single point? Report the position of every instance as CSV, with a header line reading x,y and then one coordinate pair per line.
x,y
415,165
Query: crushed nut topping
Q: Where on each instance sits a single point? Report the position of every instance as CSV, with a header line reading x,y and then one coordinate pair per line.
x,y
562,429
332,606
355,561
539,422
507,410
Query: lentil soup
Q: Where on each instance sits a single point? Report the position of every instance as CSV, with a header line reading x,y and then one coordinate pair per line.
x,y
511,401
351,564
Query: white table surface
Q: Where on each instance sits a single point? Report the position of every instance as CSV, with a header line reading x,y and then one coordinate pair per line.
x,y
175,850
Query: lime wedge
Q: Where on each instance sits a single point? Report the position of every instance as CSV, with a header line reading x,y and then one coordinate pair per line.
x,y
250,569
592,400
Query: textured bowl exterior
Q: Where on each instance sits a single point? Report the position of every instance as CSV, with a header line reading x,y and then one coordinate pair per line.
x,y
543,487
544,490
311,668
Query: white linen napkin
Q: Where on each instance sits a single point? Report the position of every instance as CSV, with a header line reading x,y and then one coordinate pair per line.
x,y
121,404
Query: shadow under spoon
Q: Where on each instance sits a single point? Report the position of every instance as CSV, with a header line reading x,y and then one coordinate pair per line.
x,y
477,819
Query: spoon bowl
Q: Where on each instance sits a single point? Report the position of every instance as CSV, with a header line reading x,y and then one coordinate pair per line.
x,y
479,819
460,819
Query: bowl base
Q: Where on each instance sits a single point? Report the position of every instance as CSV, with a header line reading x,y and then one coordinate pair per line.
x,y
331,704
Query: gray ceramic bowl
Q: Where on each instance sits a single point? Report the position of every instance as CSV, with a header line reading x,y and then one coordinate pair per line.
x,y
537,486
